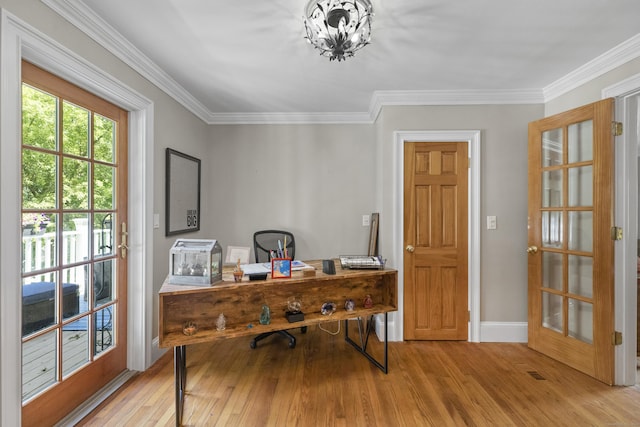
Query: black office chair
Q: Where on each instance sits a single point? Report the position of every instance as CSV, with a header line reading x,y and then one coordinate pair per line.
x,y
264,242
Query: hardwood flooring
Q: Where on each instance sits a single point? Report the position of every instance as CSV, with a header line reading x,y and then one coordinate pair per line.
x,y
325,382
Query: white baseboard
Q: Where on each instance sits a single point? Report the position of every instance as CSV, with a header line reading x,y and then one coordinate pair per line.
x,y
391,327
489,331
92,403
156,351
503,332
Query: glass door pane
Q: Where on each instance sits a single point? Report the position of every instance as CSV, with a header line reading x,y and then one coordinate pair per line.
x,y
567,230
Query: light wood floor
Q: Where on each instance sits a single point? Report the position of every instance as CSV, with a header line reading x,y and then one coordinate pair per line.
x,y
325,382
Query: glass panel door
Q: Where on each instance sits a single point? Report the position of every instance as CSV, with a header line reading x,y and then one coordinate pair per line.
x,y
570,261
72,276
566,198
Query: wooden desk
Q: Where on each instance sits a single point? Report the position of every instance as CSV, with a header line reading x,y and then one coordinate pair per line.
x,y
241,303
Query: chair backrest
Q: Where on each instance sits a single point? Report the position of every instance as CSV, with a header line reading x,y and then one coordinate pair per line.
x,y
265,241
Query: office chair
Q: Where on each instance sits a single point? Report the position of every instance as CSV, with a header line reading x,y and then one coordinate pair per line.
x,y
264,242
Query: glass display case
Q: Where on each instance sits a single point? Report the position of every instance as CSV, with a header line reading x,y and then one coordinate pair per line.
x,y
195,262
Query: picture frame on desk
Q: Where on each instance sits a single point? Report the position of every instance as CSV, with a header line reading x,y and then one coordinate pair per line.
x,y
280,268
373,234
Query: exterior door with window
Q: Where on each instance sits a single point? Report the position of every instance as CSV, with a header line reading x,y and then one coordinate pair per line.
x,y
570,261
74,206
436,180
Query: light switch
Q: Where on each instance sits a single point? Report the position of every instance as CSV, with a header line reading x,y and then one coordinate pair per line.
x,y
156,220
492,222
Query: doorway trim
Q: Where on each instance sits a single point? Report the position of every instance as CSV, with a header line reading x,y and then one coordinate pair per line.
x,y
627,111
472,137
21,41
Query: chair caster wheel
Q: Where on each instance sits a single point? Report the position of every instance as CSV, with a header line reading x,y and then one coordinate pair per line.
x,y
253,344
303,329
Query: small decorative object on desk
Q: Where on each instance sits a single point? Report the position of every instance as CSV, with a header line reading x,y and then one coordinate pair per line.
x,y
349,305
368,302
294,311
237,272
328,308
189,328
265,316
221,323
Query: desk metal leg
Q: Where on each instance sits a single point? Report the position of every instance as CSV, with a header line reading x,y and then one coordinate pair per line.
x,y
180,375
364,341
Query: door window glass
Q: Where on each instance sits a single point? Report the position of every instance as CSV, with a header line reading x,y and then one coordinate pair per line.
x,y
580,323
580,141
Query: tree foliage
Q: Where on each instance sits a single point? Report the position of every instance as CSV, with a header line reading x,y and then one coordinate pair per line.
x,y
46,149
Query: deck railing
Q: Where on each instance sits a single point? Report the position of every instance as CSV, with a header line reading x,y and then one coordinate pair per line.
x,y
39,253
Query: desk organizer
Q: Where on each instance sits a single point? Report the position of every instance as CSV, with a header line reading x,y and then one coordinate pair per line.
x,y
362,262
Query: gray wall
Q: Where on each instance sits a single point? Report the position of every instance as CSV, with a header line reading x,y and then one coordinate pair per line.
x,y
503,129
318,180
314,180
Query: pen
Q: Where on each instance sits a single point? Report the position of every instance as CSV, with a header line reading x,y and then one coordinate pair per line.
x,y
285,247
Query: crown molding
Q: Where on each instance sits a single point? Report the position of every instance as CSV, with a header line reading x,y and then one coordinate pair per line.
x,y
452,97
87,21
99,30
289,118
622,88
615,57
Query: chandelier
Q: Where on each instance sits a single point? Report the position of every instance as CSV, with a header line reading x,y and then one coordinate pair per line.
x,y
338,28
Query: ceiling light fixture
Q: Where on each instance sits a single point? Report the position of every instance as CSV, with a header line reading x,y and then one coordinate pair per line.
x,y
338,28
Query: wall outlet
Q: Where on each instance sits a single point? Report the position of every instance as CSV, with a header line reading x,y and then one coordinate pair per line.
x,y
156,220
492,222
365,220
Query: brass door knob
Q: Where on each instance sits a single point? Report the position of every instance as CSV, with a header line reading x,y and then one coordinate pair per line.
x,y
532,249
410,248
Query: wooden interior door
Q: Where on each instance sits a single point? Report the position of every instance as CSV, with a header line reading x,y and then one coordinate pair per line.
x,y
435,237
570,262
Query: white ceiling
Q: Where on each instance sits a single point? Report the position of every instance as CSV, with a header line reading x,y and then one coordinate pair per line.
x,y
244,57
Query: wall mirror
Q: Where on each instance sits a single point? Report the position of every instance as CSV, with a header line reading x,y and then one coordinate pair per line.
x,y
182,202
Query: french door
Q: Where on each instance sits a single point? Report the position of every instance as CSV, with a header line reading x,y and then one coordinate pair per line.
x,y
570,261
74,215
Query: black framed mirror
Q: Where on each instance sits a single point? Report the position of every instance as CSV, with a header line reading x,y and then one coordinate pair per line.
x,y
182,202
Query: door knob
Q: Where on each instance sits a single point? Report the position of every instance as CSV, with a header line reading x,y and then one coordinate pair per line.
x,y
410,248
532,249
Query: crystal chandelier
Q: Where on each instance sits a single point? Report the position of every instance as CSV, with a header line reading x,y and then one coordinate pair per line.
x,y
338,28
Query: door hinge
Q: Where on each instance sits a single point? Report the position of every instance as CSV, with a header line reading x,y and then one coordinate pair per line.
x,y
616,338
616,233
469,316
616,128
